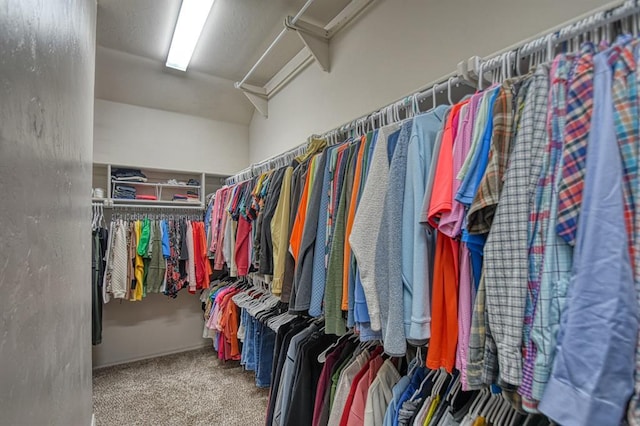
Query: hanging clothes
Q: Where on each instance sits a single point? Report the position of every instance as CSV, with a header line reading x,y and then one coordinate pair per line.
x,y
99,243
475,231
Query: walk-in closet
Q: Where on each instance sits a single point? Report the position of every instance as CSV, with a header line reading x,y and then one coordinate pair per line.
x,y
319,213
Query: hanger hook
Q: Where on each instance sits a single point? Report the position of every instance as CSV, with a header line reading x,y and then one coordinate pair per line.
x,y
550,47
481,76
449,89
433,94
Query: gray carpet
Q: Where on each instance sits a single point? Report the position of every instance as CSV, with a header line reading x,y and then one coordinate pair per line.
x,y
191,388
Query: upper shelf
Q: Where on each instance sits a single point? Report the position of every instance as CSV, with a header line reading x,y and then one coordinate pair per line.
x,y
157,186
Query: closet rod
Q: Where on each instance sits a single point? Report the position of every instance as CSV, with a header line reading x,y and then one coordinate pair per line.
x,y
404,103
155,207
264,165
583,24
273,43
391,111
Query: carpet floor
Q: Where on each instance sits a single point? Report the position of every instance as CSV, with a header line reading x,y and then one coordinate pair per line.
x,y
191,388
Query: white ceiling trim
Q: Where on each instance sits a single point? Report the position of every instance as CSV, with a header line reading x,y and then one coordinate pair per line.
x,y
316,49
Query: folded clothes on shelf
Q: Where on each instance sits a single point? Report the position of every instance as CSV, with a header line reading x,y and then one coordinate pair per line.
x,y
177,182
124,192
146,197
128,175
193,182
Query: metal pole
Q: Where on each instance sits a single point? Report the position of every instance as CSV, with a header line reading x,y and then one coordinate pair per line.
x,y
271,46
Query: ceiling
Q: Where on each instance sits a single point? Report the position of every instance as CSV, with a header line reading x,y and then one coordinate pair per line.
x,y
133,38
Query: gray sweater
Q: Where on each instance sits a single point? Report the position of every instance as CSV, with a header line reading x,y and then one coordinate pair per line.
x,y
366,223
389,282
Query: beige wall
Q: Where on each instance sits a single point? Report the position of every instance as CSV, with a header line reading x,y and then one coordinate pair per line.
x,y
396,47
155,326
144,137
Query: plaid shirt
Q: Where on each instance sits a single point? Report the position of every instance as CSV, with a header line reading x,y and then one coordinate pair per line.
x,y
537,227
576,134
505,253
625,102
553,276
484,204
482,366
634,406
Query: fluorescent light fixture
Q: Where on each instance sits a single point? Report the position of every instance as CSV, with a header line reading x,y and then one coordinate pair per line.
x,y
193,15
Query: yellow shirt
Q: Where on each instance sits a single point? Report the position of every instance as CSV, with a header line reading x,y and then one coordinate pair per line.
x,y
280,232
480,421
139,271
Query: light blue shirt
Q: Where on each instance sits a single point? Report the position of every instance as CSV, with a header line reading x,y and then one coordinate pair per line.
x,y
319,275
592,376
417,244
397,392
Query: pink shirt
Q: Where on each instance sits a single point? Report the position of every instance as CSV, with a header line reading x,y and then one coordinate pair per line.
x,y
219,259
464,314
356,416
451,221
242,248
216,217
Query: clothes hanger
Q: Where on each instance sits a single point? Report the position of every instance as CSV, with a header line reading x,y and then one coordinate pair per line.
x,y
449,90
479,396
418,391
323,355
433,95
416,363
500,411
532,56
550,47
455,391
441,379
510,415
480,401
485,409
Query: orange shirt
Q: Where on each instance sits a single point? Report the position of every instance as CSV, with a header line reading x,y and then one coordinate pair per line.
x,y
295,241
444,305
441,194
230,326
350,217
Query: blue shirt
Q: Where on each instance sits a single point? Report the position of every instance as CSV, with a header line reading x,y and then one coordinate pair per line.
x,y
397,392
392,141
166,249
319,266
593,370
418,245
414,385
471,182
